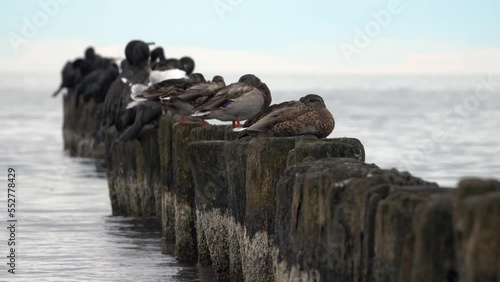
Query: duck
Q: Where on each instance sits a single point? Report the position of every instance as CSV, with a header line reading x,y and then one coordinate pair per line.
x,y
309,115
184,103
237,101
166,88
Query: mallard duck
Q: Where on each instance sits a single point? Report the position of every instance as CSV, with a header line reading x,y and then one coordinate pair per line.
x,y
309,115
184,103
166,88
235,102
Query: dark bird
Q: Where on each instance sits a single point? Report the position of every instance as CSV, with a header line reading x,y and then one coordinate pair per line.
x,y
96,61
115,113
235,102
168,64
187,64
309,115
96,85
69,78
144,114
158,55
73,73
83,68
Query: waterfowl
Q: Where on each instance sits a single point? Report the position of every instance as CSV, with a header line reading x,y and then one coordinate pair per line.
x,y
137,56
157,55
168,64
187,64
235,102
309,115
96,85
83,68
145,113
166,88
201,89
96,61
69,78
184,103
197,78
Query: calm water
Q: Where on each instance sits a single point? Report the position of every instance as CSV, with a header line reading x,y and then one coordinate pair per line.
x,y
65,232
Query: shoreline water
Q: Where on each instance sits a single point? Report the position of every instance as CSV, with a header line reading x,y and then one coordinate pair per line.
x,y
65,228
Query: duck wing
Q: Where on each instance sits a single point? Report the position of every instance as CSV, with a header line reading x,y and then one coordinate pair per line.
x,y
227,95
268,110
171,87
282,119
200,90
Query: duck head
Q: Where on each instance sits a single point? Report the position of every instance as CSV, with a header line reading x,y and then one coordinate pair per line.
x,y
250,79
187,64
314,101
267,95
219,80
197,78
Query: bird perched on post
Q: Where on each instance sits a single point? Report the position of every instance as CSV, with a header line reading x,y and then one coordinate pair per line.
x,y
137,71
309,115
237,101
196,95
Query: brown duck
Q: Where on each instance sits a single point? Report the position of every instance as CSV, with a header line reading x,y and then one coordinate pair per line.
x,y
184,103
309,115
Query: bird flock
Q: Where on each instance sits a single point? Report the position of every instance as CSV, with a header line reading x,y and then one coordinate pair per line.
x,y
147,85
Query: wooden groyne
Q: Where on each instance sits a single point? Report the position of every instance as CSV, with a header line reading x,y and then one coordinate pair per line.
x,y
296,208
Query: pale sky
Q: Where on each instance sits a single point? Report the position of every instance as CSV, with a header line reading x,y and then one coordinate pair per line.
x,y
281,36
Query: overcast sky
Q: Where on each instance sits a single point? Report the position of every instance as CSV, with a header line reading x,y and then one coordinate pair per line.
x,y
286,36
